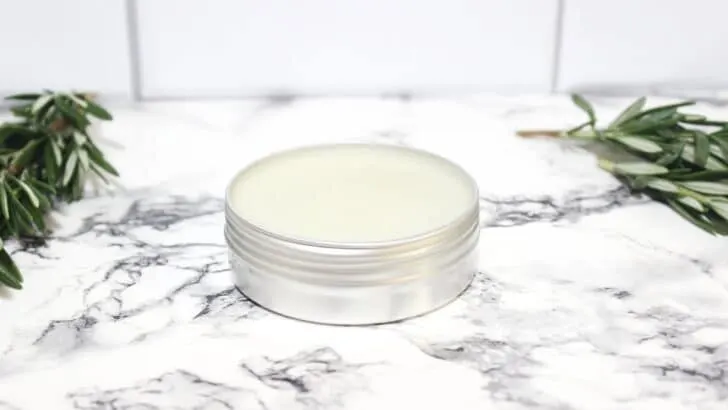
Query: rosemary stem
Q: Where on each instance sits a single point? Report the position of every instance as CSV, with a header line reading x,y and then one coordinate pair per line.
x,y
692,194
606,165
583,134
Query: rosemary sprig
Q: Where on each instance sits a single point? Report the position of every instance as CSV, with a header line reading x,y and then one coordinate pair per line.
x,y
46,155
681,158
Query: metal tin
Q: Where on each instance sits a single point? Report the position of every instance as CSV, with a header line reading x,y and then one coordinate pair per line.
x,y
353,283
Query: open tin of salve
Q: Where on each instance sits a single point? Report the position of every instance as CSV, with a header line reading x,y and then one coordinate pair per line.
x,y
352,233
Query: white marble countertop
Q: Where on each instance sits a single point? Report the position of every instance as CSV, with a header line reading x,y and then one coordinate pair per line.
x,y
586,298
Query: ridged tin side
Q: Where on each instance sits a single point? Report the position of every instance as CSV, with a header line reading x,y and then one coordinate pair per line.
x,y
353,284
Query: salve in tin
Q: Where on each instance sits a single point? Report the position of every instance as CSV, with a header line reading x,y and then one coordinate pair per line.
x,y
352,233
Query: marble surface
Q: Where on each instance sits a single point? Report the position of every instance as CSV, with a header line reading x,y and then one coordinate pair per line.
x,y
586,298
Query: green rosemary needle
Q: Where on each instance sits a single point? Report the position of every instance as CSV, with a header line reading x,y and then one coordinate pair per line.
x,y
681,158
46,155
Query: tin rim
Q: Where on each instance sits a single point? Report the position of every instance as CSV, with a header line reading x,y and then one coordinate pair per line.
x,y
341,266
464,216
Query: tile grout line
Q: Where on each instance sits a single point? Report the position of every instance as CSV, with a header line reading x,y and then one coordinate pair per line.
x,y
132,31
558,37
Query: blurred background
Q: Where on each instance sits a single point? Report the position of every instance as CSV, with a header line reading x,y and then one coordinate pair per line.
x,y
177,49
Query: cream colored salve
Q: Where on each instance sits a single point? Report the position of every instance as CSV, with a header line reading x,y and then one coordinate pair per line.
x,y
352,193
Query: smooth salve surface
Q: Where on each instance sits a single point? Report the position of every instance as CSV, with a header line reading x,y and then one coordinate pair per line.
x,y
352,193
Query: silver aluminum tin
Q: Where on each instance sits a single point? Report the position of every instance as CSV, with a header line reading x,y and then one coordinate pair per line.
x,y
353,283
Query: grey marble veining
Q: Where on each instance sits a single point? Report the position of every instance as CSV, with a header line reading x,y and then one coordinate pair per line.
x,y
587,297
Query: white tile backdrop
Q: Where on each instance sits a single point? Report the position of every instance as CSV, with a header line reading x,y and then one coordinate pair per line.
x,y
644,42
80,44
233,47
224,48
